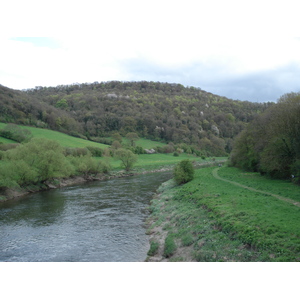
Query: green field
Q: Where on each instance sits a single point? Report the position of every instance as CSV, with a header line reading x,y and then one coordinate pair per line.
x,y
6,141
73,142
63,139
148,144
214,220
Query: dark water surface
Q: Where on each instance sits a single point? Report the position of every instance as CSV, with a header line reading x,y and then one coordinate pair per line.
x,y
98,221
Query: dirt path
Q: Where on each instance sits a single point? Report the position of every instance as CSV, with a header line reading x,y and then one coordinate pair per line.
x,y
217,176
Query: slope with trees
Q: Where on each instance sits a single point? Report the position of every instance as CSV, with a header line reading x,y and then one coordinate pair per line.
x,y
153,110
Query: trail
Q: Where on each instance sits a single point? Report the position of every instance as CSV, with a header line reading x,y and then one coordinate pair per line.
x,y
217,176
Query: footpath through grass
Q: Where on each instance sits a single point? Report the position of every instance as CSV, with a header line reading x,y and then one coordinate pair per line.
x,y
212,220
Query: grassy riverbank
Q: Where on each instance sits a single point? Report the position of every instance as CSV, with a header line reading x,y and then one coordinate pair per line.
x,y
209,219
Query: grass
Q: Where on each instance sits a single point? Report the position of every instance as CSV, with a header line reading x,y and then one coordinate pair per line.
x,y
73,142
6,141
148,144
153,248
217,221
255,180
63,139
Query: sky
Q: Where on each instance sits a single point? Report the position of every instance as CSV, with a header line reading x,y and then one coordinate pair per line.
x,y
243,50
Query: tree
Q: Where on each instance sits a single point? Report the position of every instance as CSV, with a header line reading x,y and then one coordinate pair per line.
x,y
270,144
116,145
184,172
117,137
44,157
127,157
132,137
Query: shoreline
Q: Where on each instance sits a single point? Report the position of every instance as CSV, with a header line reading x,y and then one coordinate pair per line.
x,y
11,194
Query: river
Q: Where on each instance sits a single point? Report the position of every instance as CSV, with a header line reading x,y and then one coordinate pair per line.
x,y
101,221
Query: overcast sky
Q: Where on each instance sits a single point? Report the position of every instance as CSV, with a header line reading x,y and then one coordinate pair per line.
x,y
245,50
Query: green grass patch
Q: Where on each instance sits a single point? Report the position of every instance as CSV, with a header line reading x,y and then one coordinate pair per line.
x,y
6,141
63,139
283,188
73,142
153,248
170,246
148,144
223,222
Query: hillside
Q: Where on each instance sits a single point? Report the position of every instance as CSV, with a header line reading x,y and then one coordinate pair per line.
x,y
157,111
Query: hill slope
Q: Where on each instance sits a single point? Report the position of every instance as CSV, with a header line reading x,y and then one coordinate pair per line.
x,y
159,111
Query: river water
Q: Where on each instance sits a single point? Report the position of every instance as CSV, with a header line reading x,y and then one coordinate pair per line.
x,y
98,221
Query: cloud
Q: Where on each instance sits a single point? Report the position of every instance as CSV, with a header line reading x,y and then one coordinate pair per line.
x,y
231,48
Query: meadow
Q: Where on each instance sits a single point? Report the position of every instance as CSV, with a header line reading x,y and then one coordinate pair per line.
x,y
212,220
63,139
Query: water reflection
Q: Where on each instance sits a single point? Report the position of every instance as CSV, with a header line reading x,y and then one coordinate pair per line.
x,y
99,221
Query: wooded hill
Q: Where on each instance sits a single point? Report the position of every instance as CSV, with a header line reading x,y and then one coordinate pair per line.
x,y
154,110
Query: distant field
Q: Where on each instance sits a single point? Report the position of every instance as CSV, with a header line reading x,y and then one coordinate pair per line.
x,y
148,144
63,139
73,142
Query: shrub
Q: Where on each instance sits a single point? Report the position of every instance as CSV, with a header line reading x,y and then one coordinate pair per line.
x,y
169,247
153,248
184,172
127,157
16,133
6,147
104,166
95,151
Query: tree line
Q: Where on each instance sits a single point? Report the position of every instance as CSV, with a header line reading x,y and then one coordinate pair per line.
x,y
40,160
271,143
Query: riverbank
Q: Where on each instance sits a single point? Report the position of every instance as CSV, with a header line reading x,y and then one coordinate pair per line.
x,y
10,194
212,220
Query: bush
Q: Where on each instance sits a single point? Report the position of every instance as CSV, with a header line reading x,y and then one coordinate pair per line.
x,y
153,248
127,157
16,133
104,166
170,246
76,151
6,147
184,172
95,151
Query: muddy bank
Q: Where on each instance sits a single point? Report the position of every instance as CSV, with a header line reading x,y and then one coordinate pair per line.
x,y
157,233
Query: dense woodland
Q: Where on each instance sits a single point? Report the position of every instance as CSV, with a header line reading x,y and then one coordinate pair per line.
x,y
271,143
154,110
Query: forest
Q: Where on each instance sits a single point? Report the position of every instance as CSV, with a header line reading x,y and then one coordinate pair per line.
x,y
271,143
158,111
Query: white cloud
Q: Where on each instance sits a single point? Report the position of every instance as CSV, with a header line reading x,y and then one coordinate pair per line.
x,y
202,43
